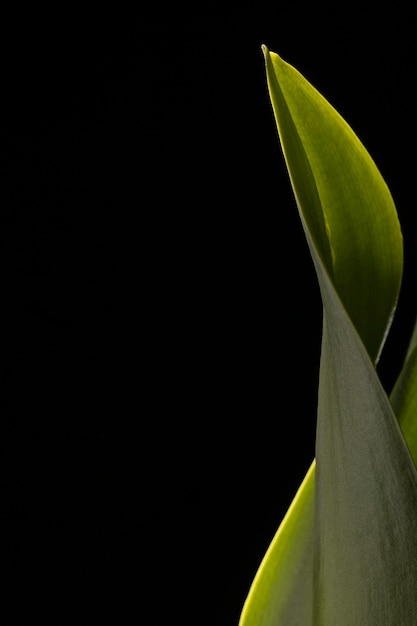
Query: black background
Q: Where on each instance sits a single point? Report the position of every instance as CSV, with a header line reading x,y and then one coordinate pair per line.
x,y
159,304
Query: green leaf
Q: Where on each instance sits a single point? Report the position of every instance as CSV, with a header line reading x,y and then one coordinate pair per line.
x,y
343,200
282,591
354,563
404,397
365,566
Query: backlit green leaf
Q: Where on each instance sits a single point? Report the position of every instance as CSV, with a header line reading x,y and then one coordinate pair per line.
x,y
345,552
282,592
343,200
404,397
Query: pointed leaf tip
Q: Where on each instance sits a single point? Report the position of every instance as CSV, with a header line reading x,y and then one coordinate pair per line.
x,y
345,205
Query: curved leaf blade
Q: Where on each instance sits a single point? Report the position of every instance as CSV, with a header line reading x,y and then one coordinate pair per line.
x,y
365,566
282,591
374,224
404,397
343,200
